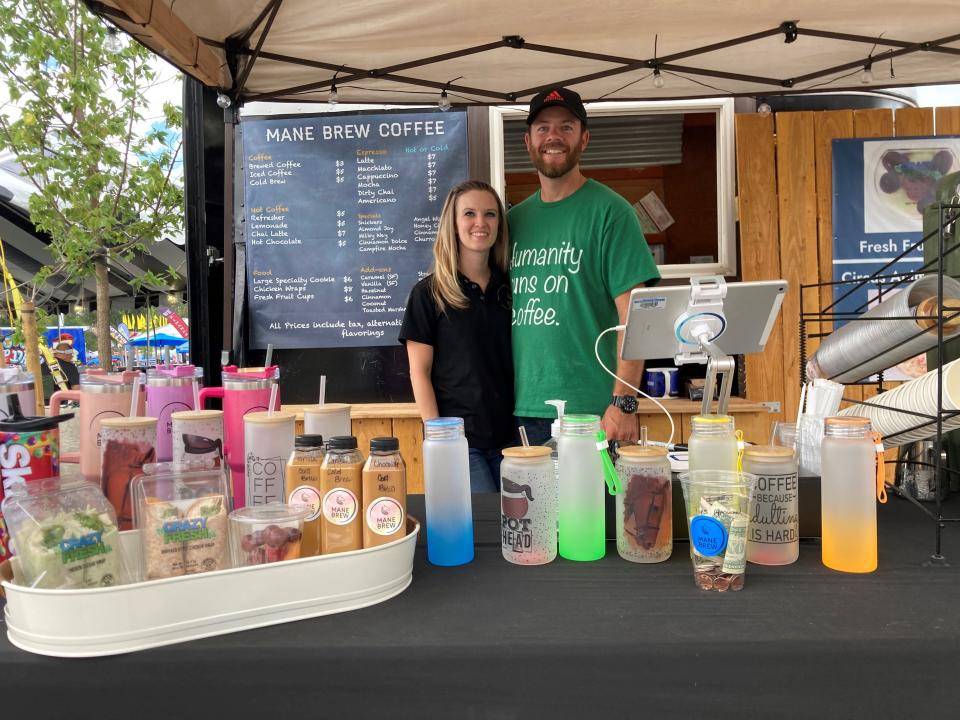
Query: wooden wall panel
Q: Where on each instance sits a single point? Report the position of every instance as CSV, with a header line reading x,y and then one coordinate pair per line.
x,y
797,196
948,121
366,428
658,426
409,431
759,242
911,122
873,123
828,126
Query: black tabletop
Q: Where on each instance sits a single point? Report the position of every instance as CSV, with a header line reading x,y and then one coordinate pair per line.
x,y
567,639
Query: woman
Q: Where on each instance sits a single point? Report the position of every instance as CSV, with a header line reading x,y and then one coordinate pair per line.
x,y
457,329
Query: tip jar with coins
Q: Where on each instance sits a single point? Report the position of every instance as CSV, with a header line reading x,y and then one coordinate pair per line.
x,y
644,508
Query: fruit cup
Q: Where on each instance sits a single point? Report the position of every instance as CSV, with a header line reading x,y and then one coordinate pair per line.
x,y
261,534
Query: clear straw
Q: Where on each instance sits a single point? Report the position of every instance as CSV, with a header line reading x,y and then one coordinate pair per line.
x,y
196,395
323,389
523,436
134,405
273,397
266,363
643,436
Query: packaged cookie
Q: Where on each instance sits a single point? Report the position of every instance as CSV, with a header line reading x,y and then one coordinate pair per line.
x,y
182,517
65,536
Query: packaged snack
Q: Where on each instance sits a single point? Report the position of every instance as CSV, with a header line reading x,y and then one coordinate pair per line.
x,y
65,536
181,513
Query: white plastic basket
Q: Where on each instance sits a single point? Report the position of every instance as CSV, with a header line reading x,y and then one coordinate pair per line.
x,y
125,618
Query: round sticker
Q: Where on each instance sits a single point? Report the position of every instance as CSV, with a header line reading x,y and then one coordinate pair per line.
x,y
340,506
308,496
708,535
384,516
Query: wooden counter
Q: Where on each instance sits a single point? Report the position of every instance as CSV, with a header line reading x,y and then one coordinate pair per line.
x,y
402,421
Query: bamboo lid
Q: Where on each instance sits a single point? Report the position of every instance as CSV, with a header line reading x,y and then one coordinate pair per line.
x,y
641,452
533,451
266,418
197,414
325,408
128,422
768,453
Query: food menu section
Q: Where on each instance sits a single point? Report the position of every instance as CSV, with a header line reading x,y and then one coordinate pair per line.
x,y
340,216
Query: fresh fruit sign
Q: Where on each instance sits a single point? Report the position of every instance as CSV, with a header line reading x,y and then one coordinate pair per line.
x,y
880,189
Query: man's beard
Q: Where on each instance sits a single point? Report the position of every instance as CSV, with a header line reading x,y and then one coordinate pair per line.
x,y
572,158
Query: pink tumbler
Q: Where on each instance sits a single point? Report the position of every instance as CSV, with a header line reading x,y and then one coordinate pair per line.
x,y
169,390
244,390
101,395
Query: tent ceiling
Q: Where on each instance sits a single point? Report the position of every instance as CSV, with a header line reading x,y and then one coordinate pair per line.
x,y
401,52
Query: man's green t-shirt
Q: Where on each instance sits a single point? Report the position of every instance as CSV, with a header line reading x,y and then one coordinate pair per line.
x,y
569,260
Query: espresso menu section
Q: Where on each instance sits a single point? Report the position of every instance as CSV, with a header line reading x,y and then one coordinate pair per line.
x,y
340,216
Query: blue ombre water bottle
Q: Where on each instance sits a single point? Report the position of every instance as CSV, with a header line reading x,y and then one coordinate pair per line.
x,y
446,489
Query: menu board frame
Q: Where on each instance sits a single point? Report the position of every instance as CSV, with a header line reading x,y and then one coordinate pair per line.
x,y
399,144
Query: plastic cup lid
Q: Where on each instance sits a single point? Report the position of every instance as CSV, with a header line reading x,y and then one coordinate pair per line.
x,y
175,371
712,419
442,422
260,373
580,419
29,424
270,513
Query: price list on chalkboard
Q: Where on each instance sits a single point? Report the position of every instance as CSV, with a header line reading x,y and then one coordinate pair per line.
x,y
340,216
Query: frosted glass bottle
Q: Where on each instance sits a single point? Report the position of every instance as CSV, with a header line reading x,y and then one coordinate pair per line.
x,y
446,490
581,489
773,537
644,508
528,506
848,495
712,444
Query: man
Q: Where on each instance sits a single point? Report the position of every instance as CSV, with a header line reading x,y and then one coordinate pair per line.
x,y
578,251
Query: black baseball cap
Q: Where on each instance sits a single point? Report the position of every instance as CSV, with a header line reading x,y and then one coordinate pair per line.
x,y
557,97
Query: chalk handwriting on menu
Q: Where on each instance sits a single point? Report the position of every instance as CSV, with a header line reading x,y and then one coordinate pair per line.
x,y
340,216
349,131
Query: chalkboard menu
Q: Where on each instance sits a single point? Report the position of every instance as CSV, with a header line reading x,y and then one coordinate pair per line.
x,y
340,216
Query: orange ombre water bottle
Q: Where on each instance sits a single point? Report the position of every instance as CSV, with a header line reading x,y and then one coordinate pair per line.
x,y
851,483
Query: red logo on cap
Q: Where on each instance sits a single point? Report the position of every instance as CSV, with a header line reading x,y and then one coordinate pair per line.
x,y
554,96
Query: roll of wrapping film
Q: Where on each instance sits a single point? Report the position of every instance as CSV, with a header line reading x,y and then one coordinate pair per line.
x,y
845,356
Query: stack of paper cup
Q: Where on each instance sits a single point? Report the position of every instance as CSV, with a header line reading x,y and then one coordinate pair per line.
x,y
915,396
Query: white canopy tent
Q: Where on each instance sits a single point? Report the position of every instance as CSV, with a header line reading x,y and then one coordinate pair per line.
x,y
501,51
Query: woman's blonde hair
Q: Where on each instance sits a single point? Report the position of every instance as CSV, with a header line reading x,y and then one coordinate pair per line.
x,y
446,250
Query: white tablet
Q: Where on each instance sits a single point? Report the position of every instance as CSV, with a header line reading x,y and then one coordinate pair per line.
x,y
749,311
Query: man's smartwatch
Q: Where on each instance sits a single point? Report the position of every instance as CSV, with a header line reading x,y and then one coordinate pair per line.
x,y
625,403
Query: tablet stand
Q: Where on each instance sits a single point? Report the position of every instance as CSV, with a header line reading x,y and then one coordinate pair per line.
x,y
702,323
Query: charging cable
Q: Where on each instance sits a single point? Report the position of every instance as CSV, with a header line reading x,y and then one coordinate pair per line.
x,y
596,352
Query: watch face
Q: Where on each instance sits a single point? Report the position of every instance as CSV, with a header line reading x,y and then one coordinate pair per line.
x,y
626,403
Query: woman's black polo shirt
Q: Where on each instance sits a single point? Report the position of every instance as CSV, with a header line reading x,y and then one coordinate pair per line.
x,y
472,372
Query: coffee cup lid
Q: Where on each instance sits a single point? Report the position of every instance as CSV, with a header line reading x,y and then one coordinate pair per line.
x,y
28,424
